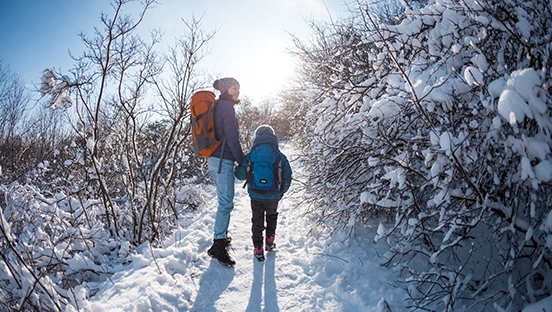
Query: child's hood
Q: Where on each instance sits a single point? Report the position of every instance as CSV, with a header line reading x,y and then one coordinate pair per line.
x,y
265,138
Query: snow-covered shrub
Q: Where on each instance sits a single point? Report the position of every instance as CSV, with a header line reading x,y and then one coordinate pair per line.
x,y
443,123
123,174
266,113
14,107
48,245
131,139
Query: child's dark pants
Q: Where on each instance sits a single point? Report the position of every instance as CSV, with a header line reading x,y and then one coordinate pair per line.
x,y
260,209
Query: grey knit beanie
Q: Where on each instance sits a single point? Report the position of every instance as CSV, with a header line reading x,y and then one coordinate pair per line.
x,y
264,128
224,84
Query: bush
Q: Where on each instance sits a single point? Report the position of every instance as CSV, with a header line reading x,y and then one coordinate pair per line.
x,y
441,123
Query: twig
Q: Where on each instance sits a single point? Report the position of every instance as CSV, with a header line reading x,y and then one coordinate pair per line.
x,y
18,256
325,254
154,260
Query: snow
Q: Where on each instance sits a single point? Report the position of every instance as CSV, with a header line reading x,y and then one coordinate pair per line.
x,y
526,169
473,76
519,98
311,270
525,82
523,25
496,87
512,107
48,81
384,109
90,144
547,224
307,272
366,197
480,62
544,305
397,176
536,148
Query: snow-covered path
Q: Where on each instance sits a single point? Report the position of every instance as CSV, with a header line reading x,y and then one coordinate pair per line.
x,y
308,272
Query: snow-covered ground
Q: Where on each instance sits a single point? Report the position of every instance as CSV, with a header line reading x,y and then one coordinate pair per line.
x,y
309,271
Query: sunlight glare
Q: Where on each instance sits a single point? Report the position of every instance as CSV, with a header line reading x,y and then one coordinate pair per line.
x,y
268,69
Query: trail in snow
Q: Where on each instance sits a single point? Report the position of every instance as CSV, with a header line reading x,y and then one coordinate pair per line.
x,y
307,272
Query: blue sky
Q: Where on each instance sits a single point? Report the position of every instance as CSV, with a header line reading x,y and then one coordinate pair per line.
x,y
249,45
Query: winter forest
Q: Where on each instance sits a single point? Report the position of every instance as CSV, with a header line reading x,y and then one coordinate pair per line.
x,y
427,120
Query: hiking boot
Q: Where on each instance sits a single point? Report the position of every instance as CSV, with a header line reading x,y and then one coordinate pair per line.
x,y
269,241
219,252
259,253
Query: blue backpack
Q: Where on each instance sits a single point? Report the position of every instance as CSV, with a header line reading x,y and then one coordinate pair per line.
x,y
264,173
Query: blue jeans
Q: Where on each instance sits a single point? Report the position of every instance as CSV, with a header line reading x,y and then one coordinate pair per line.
x,y
224,181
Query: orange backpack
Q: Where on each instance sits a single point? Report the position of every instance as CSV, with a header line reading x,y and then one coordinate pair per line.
x,y
202,109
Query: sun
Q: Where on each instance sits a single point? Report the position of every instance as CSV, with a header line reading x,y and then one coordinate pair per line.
x,y
267,72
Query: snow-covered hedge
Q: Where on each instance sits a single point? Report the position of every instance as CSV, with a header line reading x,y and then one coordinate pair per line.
x,y
55,250
48,246
441,124
123,176
128,107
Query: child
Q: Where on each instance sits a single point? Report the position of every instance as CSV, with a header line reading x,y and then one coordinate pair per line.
x,y
268,176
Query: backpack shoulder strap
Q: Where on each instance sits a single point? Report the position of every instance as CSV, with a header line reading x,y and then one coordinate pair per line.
x,y
223,139
278,169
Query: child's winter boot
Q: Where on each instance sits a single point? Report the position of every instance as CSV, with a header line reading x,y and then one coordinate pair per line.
x,y
259,253
269,241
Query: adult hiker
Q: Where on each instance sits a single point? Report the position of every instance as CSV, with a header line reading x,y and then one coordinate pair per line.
x,y
222,162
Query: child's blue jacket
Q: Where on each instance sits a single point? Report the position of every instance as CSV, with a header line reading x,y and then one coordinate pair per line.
x,y
241,170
